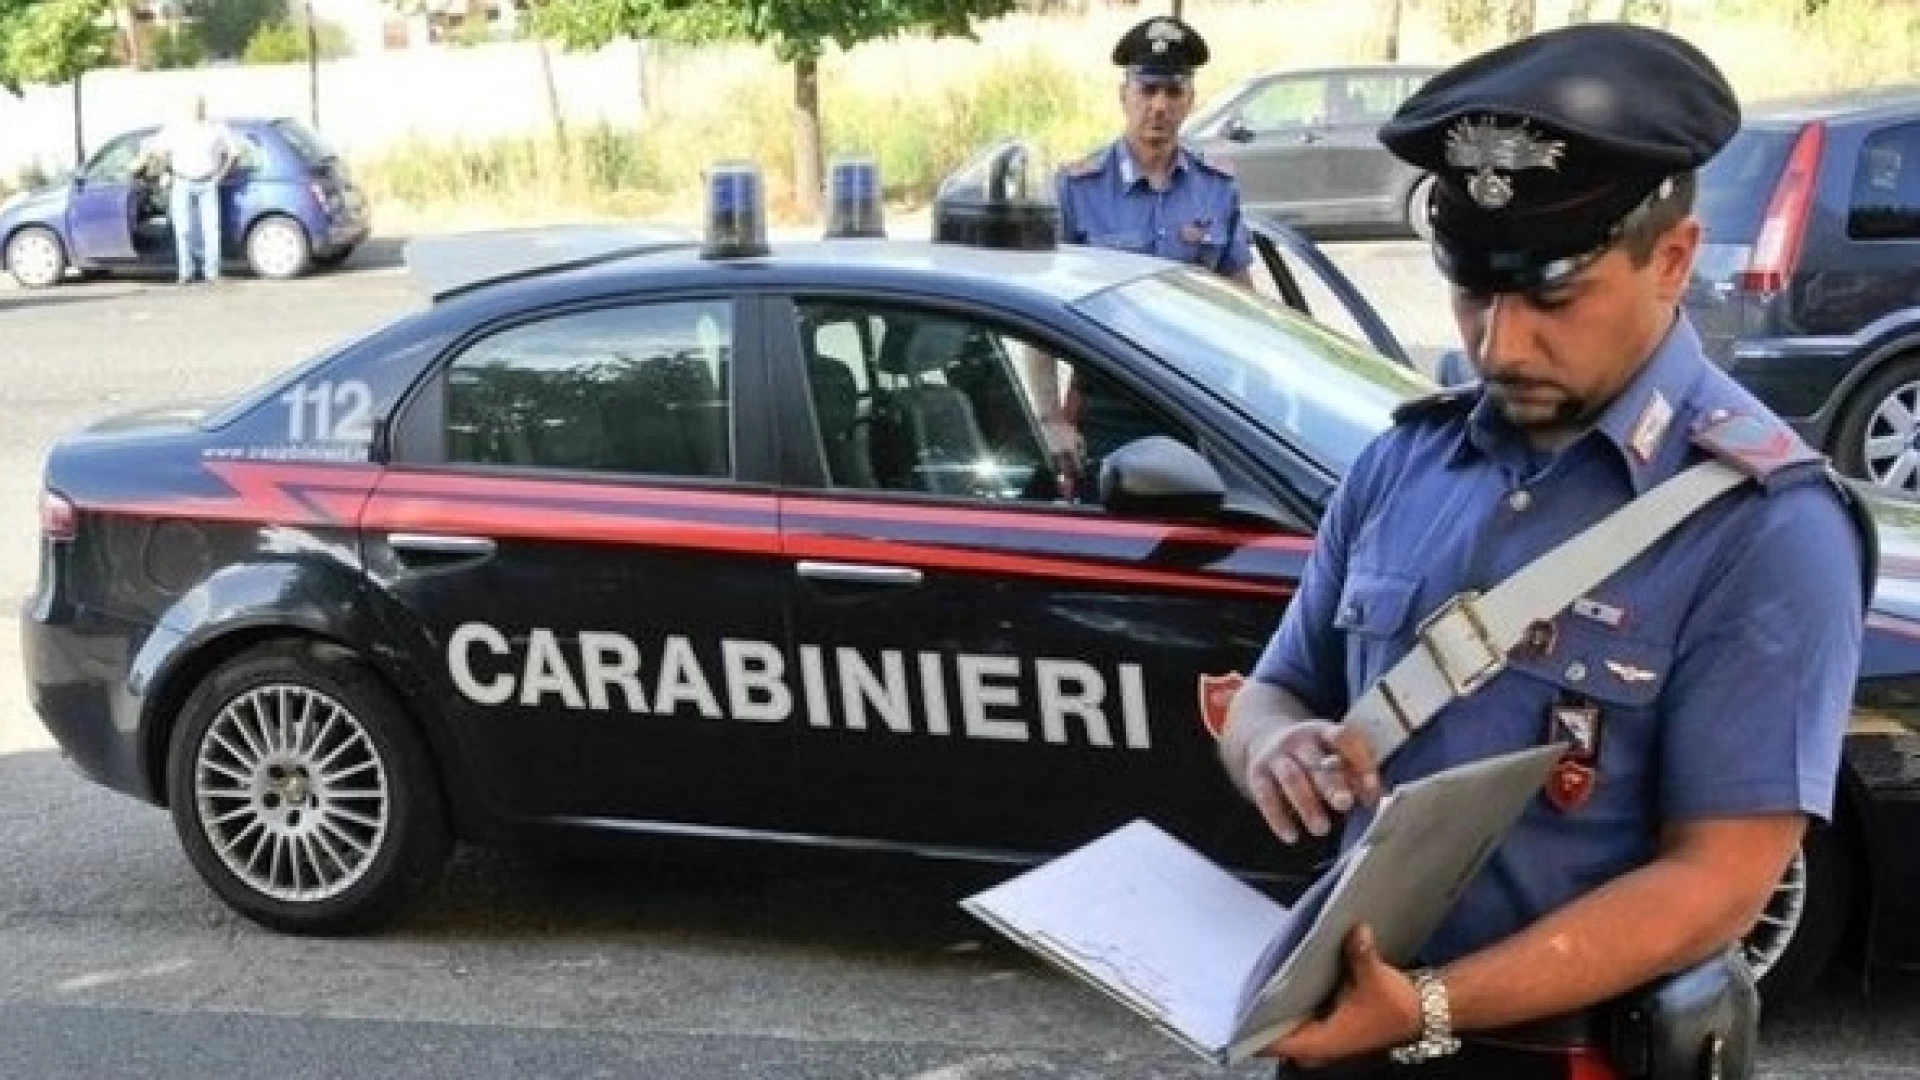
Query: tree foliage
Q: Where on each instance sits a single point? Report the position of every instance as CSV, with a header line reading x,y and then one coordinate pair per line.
x,y
50,41
796,29
226,26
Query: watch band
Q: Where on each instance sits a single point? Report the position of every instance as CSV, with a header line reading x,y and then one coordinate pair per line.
x,y
1436,1023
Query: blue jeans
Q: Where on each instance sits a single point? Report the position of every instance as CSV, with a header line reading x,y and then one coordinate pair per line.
x,y
188,200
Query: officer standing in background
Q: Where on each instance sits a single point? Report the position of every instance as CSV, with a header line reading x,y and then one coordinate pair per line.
x,y
1143,193
1704,687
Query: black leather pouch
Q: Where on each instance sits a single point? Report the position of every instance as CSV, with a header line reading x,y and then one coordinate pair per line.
x,y
1698,1024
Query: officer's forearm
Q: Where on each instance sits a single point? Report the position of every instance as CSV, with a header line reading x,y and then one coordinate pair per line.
x,y
1708,886
1259,709
1043,381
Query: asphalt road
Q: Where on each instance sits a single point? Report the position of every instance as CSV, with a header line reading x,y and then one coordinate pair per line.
x,y
118,963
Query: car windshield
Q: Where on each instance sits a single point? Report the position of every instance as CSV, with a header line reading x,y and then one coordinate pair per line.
x,y
305,142
1320,392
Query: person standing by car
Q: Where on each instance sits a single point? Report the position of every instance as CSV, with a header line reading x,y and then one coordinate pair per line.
x,y
1146,193
1703,689
198,153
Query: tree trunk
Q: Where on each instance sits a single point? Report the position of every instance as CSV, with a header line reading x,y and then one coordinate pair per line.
x,y
79,133
806,138
1392,12
313,69
123,15
1519,18
555,115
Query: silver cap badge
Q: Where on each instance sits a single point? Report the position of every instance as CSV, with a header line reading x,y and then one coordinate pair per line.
x,y
1482,146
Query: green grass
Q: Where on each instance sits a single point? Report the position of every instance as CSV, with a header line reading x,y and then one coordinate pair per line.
x,y
922,107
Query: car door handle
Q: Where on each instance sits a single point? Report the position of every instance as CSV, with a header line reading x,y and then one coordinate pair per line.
x,y
859,573
440,544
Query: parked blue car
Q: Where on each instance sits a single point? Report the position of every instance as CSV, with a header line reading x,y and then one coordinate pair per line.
x,y
288,206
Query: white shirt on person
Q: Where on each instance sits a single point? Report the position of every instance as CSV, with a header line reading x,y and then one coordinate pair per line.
x,y
194,149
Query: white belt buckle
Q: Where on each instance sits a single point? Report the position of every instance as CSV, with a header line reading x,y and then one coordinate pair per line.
x,y
1463,627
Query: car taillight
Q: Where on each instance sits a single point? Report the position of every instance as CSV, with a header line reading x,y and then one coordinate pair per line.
x,y
58,521
1785,226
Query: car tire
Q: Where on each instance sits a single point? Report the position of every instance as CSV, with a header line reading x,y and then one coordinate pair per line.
x,y
1413,209
278,248
302,792
1795,940
36,258
1898,382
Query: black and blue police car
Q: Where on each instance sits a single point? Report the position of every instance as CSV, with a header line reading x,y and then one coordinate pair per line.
x,y
638,536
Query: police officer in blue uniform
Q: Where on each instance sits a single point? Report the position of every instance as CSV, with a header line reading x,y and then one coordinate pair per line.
x,y
1703,688
1144,193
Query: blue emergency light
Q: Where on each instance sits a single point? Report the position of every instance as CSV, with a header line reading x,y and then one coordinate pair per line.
x,y
736,211
1002,198
853,192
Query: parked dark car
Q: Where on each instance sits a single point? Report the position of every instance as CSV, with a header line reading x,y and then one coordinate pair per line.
x,y
1304,144
288,205
1808,286
540,561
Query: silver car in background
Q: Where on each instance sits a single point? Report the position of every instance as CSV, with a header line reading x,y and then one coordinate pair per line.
x,y
1303,142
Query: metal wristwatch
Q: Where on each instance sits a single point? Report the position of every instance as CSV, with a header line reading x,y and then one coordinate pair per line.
x,y
1436,1023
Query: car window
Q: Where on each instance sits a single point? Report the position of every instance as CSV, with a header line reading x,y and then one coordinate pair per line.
x,y
1370,99
639,389
310,146
1287,103
1322,305
940,404
1284,371
115,160
248,153
1886,187
1735,187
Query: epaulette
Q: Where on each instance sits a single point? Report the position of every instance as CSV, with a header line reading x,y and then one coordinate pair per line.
x,y
1439,404
1764,448
1091,165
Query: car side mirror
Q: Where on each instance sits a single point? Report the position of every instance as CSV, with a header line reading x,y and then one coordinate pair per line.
x,y
1238,131
1160,477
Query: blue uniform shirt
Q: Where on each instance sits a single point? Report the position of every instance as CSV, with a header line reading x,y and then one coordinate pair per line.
x,y
1106,201
1721,660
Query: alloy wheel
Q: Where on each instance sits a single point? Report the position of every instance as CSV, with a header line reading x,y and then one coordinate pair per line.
x,y
291,792
1891,453
1770,937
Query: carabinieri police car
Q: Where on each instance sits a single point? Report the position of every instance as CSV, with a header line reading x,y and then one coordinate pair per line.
x,y
690,538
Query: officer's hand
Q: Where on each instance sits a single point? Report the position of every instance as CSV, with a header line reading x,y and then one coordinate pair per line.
x,y
1062,439
1377,1008
1309,771
1065,448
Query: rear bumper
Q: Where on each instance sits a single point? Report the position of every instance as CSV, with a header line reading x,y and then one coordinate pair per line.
x,y
1801,379
76,667
344,233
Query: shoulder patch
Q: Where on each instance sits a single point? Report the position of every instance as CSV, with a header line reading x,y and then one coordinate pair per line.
x,y
1450,401
1091,165
1761,447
